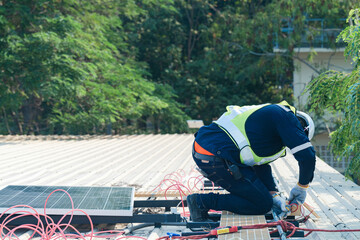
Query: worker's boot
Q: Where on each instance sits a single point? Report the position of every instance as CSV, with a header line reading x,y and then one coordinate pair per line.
x,y
198,213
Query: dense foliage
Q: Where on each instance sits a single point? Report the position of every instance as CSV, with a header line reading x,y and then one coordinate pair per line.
x,y
339,93
106,66
66,67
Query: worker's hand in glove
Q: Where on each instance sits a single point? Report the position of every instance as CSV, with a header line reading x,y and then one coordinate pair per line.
x,y
298,194
279,204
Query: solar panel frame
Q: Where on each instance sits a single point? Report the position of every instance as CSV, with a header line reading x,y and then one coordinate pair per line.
x,y
95,201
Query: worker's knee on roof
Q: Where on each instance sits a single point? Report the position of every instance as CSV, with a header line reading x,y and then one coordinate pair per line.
x,y
268,206
265,206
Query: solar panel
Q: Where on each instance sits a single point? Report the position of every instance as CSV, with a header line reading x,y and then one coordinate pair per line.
x,y
232,219
95,201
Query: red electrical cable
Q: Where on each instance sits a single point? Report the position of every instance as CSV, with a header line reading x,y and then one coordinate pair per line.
x,y
286,226
52,231
178,187
199,179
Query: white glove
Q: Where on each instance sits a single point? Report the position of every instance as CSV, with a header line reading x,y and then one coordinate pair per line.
x,y
279,203
298,194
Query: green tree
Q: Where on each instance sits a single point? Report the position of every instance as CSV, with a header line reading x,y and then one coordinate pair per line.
x,y
221,52
339,93
92,66
66,67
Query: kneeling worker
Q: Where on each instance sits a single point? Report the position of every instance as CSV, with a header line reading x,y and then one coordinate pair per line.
x,y
235,151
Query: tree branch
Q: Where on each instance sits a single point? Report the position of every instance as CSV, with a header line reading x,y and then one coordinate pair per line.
x,y
6,121
216,10
303,61
274,54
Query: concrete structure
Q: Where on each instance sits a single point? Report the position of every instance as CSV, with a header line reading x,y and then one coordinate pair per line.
x,y
305,71
315,45
324,59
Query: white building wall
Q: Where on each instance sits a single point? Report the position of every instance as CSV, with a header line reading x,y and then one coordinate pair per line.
x,y
327,59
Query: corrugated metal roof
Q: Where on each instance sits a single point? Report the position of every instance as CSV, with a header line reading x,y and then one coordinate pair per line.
x,y
144,160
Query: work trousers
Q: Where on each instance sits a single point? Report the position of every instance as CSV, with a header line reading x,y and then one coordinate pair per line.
x,y
247,195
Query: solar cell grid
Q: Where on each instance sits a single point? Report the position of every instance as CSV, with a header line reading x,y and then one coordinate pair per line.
x,y
99,201
231,219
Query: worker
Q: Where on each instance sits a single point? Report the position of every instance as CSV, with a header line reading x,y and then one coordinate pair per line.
x,y
235,153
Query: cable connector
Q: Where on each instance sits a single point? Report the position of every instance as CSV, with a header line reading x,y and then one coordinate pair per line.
x,y
170,234
225,230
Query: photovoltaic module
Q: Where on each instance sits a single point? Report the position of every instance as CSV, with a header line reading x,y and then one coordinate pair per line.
x,y
96,201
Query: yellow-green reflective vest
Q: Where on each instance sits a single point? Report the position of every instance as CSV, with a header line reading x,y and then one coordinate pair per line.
x,y
233,123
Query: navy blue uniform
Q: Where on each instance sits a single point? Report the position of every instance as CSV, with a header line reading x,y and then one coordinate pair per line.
x,y
268,129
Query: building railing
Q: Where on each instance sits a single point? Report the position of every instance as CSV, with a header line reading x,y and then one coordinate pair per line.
x,y
317,34
324,152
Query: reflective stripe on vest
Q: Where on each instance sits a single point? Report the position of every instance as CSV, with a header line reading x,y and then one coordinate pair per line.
x,y
233,123
287,107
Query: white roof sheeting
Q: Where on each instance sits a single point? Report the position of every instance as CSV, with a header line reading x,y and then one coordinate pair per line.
x,y
144,160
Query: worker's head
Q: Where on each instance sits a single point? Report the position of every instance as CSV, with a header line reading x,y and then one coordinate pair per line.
x,y
307,123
